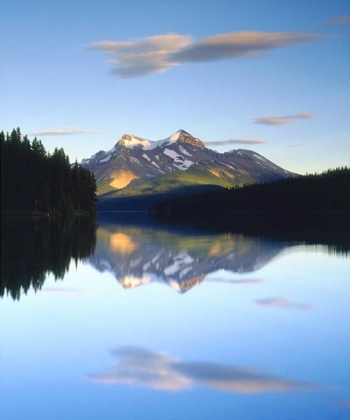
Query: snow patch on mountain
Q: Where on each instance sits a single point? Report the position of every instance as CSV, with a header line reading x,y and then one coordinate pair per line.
x,y
171,153
179,160
154,144
130,141
136,161
175,136
106,159
184,151
180,261
185,165
226,164
259,157
111,151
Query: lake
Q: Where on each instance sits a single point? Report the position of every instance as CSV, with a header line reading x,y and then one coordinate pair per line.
x,y
130,318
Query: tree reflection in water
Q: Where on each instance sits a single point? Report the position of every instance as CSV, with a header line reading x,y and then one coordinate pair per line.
x,y
33,248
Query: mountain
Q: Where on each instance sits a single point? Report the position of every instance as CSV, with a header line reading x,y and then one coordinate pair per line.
x,y
139,170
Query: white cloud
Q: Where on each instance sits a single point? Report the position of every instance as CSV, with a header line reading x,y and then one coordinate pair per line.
x,y
141,367
283,120
64,131
234,141
156,54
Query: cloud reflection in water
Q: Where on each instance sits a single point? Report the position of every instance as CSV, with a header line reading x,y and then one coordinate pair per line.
x,y
284,303
141,367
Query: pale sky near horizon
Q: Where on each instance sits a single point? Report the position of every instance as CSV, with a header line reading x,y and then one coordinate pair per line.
x,y
266,75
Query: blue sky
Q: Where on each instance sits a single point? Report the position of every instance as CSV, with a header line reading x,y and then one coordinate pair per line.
x,y
271,76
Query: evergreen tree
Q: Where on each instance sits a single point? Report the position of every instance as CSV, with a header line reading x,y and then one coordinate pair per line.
x,y
33,180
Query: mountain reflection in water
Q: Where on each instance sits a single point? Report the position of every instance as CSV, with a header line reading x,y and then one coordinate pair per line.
x,y
134,248
139,255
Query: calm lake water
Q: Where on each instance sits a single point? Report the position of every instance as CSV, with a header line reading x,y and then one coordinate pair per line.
x,y
142,320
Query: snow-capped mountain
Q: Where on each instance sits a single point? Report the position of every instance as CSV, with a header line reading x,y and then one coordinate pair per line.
x,y
178,160
134,160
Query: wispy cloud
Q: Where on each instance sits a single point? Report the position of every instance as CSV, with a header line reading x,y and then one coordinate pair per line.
x,y
156,54
234,141
284,303
279,121
142,367
143,56
339,20
64,131
239,44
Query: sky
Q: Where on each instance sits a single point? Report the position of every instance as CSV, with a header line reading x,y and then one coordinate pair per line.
x,y
265,75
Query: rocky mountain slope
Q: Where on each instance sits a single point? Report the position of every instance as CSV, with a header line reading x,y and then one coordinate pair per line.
x,y
137,167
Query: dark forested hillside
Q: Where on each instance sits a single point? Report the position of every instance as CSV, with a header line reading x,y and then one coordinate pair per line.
x,y
33,180
326,192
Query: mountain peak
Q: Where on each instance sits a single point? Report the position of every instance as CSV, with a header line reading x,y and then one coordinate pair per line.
x,y
181,131
178,134
186,137
130,141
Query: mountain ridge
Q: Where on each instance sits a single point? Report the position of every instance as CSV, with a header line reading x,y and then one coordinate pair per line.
x,y
180,160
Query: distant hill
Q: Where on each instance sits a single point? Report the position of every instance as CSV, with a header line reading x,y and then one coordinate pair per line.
x,y
138,172
315,208
326,192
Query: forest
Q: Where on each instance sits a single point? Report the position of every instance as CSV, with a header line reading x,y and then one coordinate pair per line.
x,y
35,181
313,208
325,192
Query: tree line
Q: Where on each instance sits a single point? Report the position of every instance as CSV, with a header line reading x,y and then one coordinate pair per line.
x,y
325,192
33,180
311,208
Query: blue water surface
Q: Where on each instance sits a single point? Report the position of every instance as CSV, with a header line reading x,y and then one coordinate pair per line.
x,y
167,323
